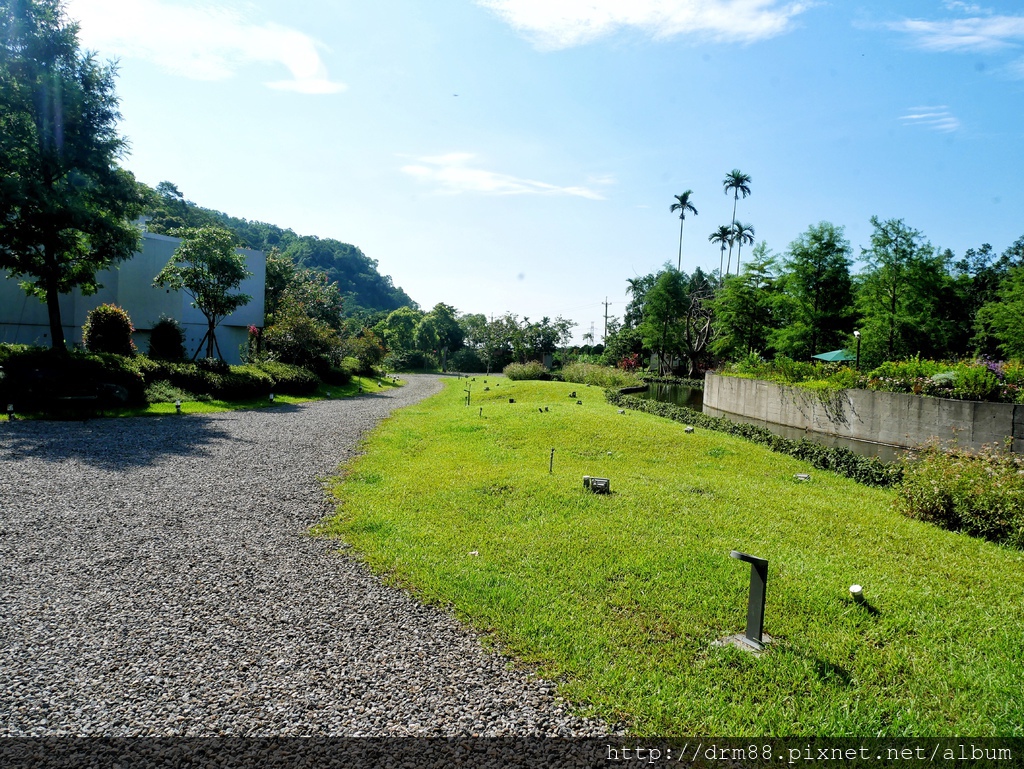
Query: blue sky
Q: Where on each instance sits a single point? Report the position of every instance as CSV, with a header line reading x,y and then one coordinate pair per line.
x,y
521,155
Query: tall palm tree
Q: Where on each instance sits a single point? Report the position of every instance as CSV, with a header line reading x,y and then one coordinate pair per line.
x,y
722,235
742,233
739,183
682,205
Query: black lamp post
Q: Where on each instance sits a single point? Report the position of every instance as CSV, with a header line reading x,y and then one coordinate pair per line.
x,y
857,334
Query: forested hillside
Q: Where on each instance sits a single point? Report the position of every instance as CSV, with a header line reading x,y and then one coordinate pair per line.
x,y
363,288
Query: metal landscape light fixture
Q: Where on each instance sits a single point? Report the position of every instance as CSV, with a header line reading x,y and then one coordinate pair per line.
x,y
177,406
10,412
271,397
857,334
754,635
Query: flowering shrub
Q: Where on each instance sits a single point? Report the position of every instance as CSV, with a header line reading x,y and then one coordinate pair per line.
x,y
630,362
981,380
978,493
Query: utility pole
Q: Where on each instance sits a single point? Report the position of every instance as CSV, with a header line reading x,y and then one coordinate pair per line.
x,y
604,337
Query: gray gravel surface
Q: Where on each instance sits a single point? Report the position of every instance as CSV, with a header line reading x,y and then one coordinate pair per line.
x,y
157,578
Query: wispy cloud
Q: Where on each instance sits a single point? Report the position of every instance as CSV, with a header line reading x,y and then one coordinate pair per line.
x,y
933,118
556,24
202,42
976,33
453,173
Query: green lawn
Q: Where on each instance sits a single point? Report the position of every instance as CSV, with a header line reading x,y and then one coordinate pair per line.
x,y
620,598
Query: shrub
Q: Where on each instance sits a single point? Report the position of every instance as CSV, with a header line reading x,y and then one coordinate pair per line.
x,y
286,379
299,340
975,383
34,377
213,365
108,329
167,340
981,493
531,370
466,360
164,392
599,376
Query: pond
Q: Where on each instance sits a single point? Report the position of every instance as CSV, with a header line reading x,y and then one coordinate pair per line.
x,y
690,397
694,399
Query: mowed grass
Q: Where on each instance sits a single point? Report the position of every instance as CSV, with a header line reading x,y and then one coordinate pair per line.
x,y
619,598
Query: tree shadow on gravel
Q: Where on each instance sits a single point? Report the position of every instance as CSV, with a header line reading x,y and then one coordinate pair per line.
x,y
111,444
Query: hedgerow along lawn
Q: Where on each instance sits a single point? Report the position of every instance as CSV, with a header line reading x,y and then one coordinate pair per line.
x,y
619,598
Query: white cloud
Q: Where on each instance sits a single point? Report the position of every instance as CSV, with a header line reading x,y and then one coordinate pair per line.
x,y
977,33
555,24
202,42
934,118
452,173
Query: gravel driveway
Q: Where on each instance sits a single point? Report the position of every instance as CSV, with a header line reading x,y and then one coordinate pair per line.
x,y
156,578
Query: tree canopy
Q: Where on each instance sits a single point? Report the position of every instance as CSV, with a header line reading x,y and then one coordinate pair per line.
x,y
207,267
66,205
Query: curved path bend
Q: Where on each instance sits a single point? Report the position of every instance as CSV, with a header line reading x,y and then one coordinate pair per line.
x,y
157,578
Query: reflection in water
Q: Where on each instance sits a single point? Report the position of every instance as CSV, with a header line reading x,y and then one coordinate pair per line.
x,y
676,394
694,399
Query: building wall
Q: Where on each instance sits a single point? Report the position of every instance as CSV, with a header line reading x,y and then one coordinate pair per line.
x,y
893,419
129,284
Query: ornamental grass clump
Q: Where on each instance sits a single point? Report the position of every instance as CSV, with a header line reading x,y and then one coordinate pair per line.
x,y
523,371
600,376
977,493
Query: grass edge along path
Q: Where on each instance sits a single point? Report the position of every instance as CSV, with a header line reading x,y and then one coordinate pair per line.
x,y
620,597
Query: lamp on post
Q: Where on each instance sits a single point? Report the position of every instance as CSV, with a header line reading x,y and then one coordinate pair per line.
x,y
857,334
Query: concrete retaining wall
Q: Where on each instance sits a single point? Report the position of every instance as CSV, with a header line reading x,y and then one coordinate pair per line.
x,y
894,419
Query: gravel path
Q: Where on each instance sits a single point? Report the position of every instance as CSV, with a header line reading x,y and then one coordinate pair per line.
x,y
156,578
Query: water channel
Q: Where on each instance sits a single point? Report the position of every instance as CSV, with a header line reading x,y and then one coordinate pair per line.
x,y
694,399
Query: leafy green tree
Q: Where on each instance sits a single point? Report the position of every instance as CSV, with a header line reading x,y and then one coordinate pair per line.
x,y
682,205
982,274
207,267
904,296
399,329
1004,317
817,284
66,205
738,183
745,308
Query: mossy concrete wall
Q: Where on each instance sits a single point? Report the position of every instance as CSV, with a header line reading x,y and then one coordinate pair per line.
x,y
893,419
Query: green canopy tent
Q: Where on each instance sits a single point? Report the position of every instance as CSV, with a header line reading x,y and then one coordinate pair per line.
x,y
835,356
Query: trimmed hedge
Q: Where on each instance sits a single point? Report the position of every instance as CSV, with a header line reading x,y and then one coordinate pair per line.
x,y
36,378
286,379
867,470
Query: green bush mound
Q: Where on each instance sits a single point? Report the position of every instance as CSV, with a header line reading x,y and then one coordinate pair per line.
x,y
167,340
523,371
977,493
868,470
287,379
108,329
342,374
39,379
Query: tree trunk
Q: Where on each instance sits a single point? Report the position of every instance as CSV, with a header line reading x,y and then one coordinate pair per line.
x,y
57,340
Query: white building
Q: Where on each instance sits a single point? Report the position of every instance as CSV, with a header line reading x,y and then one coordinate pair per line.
x,y
129,284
